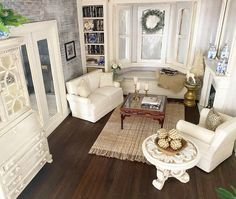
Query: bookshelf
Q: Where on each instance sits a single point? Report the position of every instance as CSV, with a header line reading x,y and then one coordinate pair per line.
x,y
93,35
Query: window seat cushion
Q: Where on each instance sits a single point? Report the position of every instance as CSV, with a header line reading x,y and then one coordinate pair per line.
x,y
175,83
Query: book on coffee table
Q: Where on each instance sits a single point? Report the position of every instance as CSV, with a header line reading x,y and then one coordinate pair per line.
x,y
151,102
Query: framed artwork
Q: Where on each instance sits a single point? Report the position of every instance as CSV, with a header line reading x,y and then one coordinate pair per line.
x,y
70,50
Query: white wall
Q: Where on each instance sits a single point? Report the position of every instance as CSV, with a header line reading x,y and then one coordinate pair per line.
x,y
230,102
208,23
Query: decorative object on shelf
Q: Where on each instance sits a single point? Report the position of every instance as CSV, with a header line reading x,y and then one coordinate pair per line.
x,y
8,18
101,61
223,62
146,88
153,21
221,67
70,50
92,38
91,61
88,25
190,78
170,142
115,68
224,53
211,54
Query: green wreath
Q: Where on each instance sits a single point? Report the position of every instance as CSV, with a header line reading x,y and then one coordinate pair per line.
x,y
159,25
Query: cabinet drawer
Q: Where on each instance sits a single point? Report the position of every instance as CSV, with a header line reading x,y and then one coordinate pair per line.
x,y
22,167
10,164
16,138
23,183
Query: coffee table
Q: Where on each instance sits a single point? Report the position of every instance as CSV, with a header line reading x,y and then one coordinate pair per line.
x,y
132,107
170,166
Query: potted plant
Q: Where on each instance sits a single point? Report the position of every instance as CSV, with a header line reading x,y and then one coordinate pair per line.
x,y
226,194
8,18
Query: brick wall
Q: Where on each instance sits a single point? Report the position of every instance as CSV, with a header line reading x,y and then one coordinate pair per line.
x,y
65,12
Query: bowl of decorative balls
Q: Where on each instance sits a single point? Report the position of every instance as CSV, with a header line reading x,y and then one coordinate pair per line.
x,y
169,142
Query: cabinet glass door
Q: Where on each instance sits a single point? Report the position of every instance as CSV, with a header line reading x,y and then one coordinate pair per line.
x,y
12,90
48,82
28,77
48,92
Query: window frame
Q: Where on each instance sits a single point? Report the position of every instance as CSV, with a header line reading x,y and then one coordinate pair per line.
x,y
164,35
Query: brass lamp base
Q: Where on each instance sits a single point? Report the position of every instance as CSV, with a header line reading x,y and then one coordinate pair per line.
x,y
190,96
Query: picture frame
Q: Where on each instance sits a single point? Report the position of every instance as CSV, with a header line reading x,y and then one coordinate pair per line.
x,y
70,50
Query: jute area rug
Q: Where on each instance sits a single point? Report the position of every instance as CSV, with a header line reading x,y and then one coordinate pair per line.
x,y
126,144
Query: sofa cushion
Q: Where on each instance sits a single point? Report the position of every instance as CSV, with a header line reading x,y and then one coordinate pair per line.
x,y
73,84
109,91
106,79
94,80
213,120
83,89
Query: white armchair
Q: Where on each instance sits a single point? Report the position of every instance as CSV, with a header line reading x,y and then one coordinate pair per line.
x,y
214,147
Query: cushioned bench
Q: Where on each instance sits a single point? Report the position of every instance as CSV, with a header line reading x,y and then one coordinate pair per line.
x,y
144,75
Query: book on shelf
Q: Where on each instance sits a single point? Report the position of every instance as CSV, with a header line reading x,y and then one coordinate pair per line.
x,y
93,11
95,50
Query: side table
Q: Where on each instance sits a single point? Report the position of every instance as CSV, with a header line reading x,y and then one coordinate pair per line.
x,y
170,166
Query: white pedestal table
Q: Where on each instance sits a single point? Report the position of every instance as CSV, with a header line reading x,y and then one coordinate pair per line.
x,y
170,166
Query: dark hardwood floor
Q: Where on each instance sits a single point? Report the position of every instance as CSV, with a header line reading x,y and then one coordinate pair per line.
x,y
76,175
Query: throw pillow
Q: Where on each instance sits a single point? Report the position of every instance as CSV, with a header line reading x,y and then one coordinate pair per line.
x,y
106,79
83,89
213,120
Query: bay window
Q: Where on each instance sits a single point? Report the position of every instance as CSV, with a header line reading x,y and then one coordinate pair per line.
x,y
168,45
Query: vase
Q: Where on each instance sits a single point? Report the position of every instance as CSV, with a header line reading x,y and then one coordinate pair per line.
x,y
115,75
4,35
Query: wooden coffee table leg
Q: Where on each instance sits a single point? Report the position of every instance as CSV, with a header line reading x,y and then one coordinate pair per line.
x,y
162,123
122,117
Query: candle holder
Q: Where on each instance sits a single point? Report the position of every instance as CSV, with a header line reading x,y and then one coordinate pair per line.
x,y
146,92
136,93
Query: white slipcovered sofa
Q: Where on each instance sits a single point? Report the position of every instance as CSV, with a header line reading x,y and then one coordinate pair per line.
x,y
99,102
215,146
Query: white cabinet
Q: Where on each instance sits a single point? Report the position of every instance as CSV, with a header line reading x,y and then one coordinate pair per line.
x,y
23,144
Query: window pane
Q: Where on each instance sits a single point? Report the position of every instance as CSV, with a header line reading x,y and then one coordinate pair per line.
x,y
151,47
182,50
47,76
124,18
123,48
28,77
184,22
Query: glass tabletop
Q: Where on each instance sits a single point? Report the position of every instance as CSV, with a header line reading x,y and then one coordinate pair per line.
x,y
143,102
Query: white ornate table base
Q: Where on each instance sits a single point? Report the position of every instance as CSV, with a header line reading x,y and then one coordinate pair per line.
x,y
170,166
164,174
